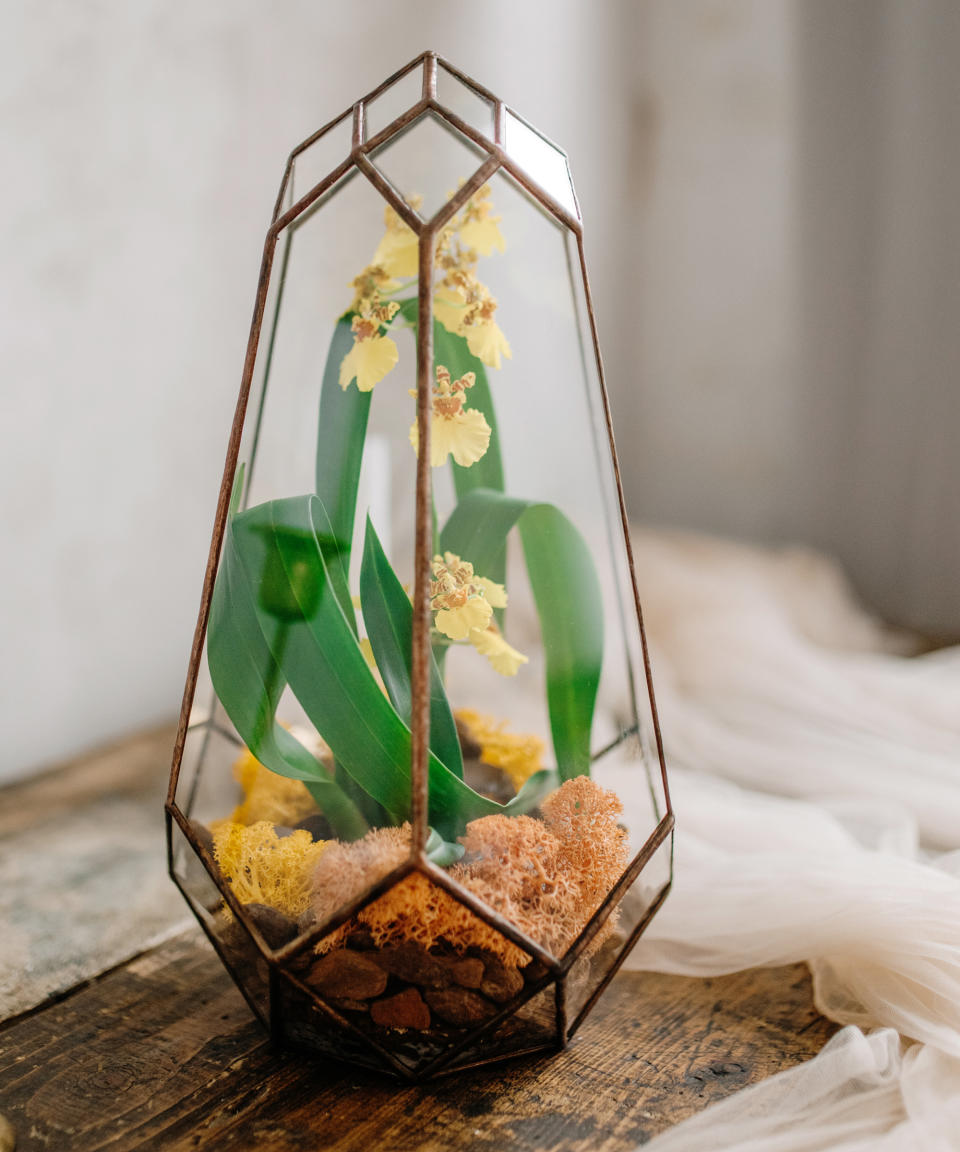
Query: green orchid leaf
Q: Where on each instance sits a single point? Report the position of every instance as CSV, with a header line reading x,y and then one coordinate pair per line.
x,y
249,683
568,598
341,434
388,615
441,852
301,629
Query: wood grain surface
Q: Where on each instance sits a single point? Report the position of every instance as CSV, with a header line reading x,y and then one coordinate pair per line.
x,y
83,883
111,1043
163,1053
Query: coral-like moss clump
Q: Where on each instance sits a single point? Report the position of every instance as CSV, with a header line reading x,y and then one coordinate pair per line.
x,y
263,868
547,877
267,796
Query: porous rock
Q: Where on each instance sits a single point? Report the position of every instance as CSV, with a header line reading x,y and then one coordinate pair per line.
x,y
276,928
468,973
459,1005
347,975
404,1010
500,983
414,965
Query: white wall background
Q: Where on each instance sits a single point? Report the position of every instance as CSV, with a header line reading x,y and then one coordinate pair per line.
x,y
769,191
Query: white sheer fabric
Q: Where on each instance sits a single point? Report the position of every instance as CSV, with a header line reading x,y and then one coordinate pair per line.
x,y
768,674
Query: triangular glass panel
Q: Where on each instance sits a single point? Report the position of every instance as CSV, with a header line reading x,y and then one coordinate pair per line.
x,y
591,970
472,108
428,162
541,161
382,110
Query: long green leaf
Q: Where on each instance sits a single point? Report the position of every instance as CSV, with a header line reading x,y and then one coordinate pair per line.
x,y
325,667
249,683
388,615
341,433
568,598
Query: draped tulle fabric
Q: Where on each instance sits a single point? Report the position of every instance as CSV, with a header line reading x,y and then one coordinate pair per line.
x,y
816,779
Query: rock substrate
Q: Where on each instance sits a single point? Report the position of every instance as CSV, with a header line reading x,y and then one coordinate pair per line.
x,y
409,987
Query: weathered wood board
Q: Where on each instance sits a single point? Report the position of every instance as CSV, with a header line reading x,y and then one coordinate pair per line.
x,y
163,1053
83,881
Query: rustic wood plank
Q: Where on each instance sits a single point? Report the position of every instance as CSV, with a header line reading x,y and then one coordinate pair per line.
x,y
163,1053
83,882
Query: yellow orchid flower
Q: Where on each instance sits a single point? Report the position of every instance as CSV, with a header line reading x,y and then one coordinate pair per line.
x,y
495,593
502,657
373,355
398,253
487,343
479,229
457,598
455,429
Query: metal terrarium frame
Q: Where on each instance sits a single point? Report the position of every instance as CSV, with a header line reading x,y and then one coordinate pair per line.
x,y
277,960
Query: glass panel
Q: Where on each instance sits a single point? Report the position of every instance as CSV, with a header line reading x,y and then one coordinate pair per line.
x,y
243,959
633,714
306,1024
470,106
320,158
397,99
541,161
418,974
605,950
290,573
545,680
428,162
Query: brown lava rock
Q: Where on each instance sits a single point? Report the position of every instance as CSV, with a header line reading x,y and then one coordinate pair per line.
x,y
467,973
317,825
404,1010
489,780
470,747
347,975
459,1005
500,983
272,925
344,1004
414,965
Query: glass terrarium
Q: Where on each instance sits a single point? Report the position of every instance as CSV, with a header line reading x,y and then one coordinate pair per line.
x,y
418,799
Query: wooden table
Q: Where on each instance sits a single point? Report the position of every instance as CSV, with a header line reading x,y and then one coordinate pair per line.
x,y
132,1036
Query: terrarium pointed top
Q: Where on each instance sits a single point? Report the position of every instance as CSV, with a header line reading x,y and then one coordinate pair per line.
x,y
427,97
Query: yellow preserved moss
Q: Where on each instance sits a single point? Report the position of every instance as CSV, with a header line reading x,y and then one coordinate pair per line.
x,y
267,796
263,868
519,754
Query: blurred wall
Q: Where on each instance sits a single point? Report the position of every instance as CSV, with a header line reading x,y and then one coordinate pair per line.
x,y
768,188
794,282
144,145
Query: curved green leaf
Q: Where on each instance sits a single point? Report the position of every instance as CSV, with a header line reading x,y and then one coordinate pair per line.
x,y
248,680
312,642
341,434
388,615
568,598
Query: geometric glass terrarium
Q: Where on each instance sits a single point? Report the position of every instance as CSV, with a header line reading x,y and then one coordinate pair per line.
x,y
418,800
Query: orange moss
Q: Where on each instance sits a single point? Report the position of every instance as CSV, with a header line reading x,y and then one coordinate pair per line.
x,y
547,877
264,868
